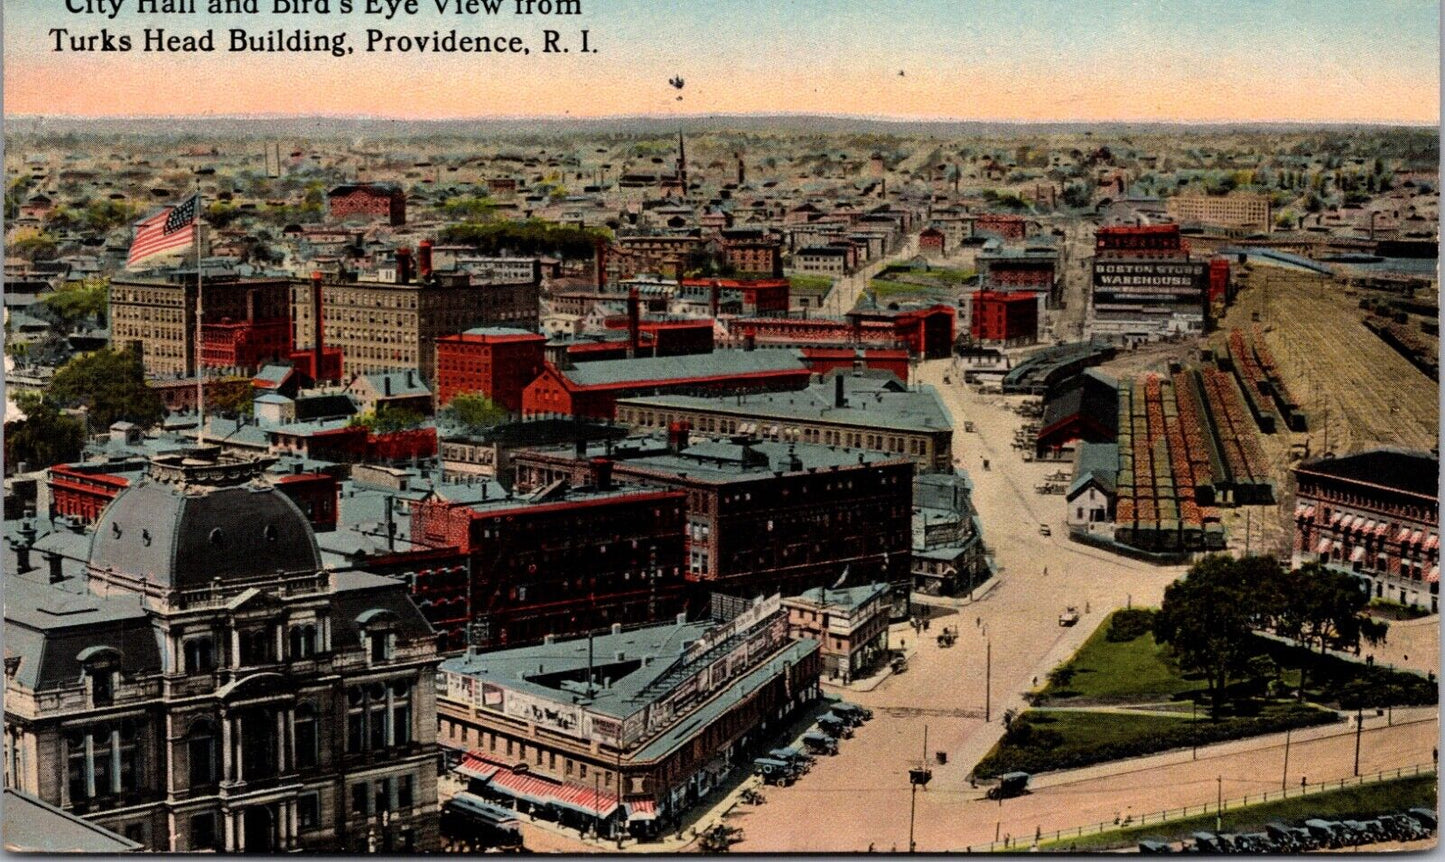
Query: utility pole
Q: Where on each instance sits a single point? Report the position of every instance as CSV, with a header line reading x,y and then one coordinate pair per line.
x,y
1359,729
988,682
1194,727
1219,805
1284,777
916,778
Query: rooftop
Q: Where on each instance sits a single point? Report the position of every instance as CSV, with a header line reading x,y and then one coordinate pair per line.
x,y
1388,467
722,363
869,402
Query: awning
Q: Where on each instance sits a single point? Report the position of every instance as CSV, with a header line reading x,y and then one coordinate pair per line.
x,y
1369,527
644,809
1299,510
1357,554
1382,529
1335,518
1416,537
545,791
475,766
1324,546
1404,534
1434,576
1309,512
1432,543
1336,547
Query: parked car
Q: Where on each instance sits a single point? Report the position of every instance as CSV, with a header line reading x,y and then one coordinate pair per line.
x,y
1069,617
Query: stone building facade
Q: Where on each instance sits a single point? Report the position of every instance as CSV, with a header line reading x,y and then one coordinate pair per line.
x,y
209,686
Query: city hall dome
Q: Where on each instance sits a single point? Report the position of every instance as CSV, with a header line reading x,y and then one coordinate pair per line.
x,y
195,520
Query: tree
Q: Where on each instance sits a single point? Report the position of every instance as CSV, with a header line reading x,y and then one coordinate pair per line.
x,y
389,419
1206,618
230,396
111,385
1325,608
475,412
44,437
34,246
74,304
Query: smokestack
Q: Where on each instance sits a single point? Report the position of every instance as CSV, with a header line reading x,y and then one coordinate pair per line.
x,y
602,473
634,323
403,265
716,298
56,576
839,399
390,524
423,260
386,384
317,344
601,266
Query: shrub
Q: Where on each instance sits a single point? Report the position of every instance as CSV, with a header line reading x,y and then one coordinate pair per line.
x,y
1126,625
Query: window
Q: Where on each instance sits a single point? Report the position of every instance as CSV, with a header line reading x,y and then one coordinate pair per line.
x,y
403,792
358,798
378,716
383,795
203,831
255,647
201,753
308,810
307,738
303,641
199,654
101,761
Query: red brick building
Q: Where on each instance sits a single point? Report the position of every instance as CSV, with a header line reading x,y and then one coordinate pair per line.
x,y
559,564
932,242
757,296
1009,318
498,362
824,359
351,444
372,201
752,250
928,332
1005,226
82,491
316,494
1144,241
179,394
591,389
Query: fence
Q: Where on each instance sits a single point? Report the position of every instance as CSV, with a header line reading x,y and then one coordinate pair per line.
x,y
1160,818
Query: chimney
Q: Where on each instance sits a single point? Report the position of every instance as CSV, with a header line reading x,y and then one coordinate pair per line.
x,y
386,384
403,265
390,524
602,473
839,399
56,576
251,305
617,630
634,323
423,260
677,435
750,341
580,447
410,378
716,298
317,349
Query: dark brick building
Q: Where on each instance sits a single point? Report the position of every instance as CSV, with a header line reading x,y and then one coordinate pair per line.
x,y
559,561
762,517
372,201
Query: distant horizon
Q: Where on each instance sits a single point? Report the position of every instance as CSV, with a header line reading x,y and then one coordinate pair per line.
x,y
897,119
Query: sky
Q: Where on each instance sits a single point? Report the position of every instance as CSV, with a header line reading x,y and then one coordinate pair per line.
x,y
1026,60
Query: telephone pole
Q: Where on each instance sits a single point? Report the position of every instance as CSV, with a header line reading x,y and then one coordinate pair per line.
x,y
1284,778
1359,729
988,682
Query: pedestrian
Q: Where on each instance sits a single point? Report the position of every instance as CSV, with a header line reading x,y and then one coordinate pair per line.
x,y
1435,754
1046,570
1036,682
870,846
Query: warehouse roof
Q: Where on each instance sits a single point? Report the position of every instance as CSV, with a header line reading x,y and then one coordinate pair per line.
x,y
722,363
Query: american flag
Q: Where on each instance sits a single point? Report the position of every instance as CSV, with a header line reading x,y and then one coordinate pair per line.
x,y
171,228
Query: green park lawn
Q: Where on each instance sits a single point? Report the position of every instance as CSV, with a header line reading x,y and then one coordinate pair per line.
x,y
810,283
1134,671
1043,740
1361,802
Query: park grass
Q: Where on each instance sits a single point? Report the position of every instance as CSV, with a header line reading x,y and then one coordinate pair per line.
x,y
948,275
810,283
1135,671
1360,802
883,287
1044,740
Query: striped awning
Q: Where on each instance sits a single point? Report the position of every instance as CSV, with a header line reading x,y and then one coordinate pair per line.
x,y
1382,529
643,809
1357,554
1309,512
1433,577
1369,527
1335,518
1299,510
1324,546
546,791
1404,535
1432,542
473,765
1417,537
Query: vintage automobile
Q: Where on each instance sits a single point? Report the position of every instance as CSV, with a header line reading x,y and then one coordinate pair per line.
x,y
1069,617
1010,784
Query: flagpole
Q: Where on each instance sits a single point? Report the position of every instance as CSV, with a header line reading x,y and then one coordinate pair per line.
x,y
200,373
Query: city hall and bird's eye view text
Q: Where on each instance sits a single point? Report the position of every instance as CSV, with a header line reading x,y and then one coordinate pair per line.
x,y
656,427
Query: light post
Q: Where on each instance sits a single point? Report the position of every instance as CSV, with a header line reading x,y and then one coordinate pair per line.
x,y
988,681
1359,729
1284,777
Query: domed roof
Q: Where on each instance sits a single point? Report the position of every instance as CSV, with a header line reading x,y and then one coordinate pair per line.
x,y
185,535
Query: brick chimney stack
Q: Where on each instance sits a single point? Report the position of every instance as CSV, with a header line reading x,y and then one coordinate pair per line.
x,y
403,265
317,343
